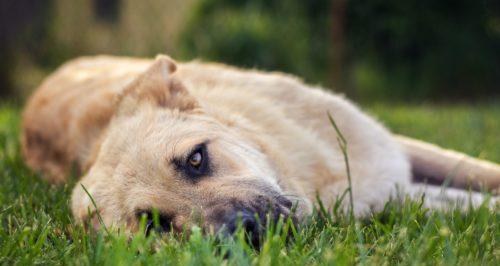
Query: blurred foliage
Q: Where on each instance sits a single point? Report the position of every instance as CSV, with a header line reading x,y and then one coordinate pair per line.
x,y
411,50
394,50
20,21
425,48
290,36
38,36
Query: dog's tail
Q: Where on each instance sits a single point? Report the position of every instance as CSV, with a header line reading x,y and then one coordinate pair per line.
x,y
434,165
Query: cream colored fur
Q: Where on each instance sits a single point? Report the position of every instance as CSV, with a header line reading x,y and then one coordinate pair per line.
x,y
119,120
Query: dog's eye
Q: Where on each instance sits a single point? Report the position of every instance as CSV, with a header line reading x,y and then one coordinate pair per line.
x,y
196,159
196,164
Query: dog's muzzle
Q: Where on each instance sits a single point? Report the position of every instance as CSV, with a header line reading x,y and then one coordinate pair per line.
x,y
227,216
253,217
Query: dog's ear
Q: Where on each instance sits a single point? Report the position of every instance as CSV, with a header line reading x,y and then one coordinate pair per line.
x,y
156,87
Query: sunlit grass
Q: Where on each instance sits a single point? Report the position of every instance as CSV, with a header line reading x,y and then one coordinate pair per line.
x,y
37,227
473,129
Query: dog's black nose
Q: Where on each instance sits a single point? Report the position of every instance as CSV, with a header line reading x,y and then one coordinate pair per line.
x,y
248,222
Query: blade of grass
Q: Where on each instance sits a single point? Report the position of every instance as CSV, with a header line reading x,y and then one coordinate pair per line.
x,y
101,221
343,147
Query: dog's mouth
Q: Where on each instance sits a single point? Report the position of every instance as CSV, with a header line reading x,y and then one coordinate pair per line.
x,y
226,218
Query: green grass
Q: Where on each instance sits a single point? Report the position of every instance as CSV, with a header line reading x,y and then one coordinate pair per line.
x,y
37,227
474,130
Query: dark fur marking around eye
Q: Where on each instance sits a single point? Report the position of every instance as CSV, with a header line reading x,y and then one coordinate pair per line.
x,y
183,166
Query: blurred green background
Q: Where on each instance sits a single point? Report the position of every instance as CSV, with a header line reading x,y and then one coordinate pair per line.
x,y
391,50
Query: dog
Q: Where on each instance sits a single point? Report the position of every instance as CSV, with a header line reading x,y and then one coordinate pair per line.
x,y
213,144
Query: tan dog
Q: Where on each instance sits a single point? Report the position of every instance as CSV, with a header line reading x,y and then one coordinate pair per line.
x,y
208,141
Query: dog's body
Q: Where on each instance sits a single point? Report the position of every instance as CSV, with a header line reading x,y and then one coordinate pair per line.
x,y
267,135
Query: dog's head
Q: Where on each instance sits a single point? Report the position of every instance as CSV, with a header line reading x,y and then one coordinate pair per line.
x,y
163,150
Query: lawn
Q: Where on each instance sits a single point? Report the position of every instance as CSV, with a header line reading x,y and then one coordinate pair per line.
x,y
37,227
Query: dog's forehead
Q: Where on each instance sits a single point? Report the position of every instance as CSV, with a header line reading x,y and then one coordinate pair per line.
x,y
167,125
181,135
170,133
